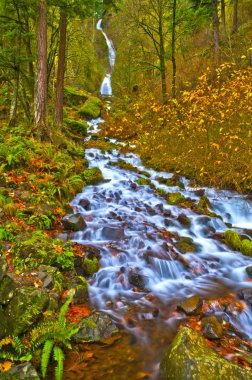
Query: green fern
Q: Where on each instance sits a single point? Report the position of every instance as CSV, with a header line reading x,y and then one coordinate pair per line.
x,y
46,353
59,357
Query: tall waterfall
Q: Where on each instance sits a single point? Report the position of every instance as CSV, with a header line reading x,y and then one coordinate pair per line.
x,y
106,88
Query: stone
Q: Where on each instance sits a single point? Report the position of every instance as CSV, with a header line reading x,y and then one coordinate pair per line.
x,y
85,203
199,192
189,357
185,244
175,198
3,267
90,266
94,328
249,271
74,222
137,280
23,310
211,327
24,371
191,305
113,233
7,290
184,220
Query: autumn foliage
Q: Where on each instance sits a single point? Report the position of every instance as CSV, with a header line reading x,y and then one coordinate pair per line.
x,y
204,134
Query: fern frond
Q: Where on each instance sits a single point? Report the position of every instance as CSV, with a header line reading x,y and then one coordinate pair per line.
x,y
59,357
63,311
47,349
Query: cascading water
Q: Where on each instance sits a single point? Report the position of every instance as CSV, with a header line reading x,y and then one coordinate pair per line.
x,y
106,89
144,273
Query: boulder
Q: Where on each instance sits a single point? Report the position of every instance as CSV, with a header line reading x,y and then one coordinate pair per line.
x,y
137,280
3,267
211,327
24,371
23,310
184,220
85,203
74,222
191,305
7,290
189,357
95,328
185,244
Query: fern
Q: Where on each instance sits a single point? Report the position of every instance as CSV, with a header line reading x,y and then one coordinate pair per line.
x,y
59,357
63,311
46,353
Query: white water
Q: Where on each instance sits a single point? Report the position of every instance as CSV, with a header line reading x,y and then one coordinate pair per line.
x,y
106,88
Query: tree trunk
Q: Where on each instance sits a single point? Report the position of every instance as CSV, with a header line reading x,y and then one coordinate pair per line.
x,y
235,17
173,47
58,113
162,53
223,18
41,71
216,33
14,104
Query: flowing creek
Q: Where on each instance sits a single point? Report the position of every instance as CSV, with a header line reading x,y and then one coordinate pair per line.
x,y
143,274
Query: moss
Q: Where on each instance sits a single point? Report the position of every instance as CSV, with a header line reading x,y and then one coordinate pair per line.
x,y
73,96
175,198
161,192
246,247
144,181
90,266
92,108
80,127
185,247
92,176
232,239
146,174
204,203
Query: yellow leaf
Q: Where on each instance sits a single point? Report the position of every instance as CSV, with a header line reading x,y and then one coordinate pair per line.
x,y
4,367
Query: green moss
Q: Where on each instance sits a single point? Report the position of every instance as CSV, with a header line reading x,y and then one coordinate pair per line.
x,y
92,176
90,266
175,198
246,247
185,247
144,181
232,239
73,96
161,192
78,126
204,203
92,108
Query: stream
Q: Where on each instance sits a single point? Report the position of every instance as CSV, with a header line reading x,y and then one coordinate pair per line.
x,y
143,273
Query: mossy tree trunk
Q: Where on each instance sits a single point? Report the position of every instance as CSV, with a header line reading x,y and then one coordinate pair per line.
x,y
58,114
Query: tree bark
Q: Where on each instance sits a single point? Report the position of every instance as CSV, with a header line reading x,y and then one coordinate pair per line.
x,y
235,17
173,47
223,18
58,113
162,52
14,104
216,33
40,97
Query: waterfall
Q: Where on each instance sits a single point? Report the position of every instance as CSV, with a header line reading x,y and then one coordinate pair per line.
x,y
106,88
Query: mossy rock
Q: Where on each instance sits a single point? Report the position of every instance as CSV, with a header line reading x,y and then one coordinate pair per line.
x,y
175,198
232,239
144,182
91,108
191,305
189,357
204,203
77,126
246,247
90,266
211,327
34,251
95,328
7,290
185,245
23,310
73,96
24,371
92,176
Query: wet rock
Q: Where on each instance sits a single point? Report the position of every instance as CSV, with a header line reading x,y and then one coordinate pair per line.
x,y
24,371
184,220
23,310
85,203
91,251
167,213
3,267
137,280
74,222
185,244
189,357
113,233
46,275
211,327
175,198
199,192
191,306
7,290
90,266
95,328
249,271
